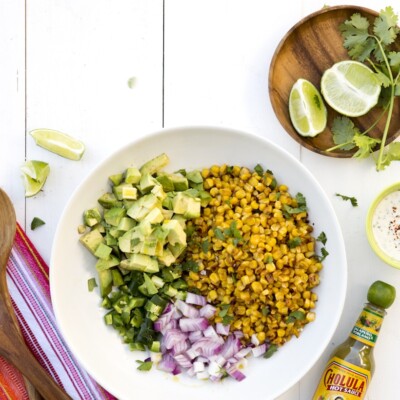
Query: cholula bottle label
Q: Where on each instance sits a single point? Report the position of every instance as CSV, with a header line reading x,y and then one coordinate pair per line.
x,y
367,327
342,381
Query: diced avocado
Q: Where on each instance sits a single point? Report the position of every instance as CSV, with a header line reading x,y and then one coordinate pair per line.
x,y
166,182
143,206
168,214
177,249
147,182
180,182
181,219
158,191
132,175
148,288
116,179
140,262
125,191
105,278
155,164
103,264
108,200
144,228
167,202
130,239
167,258
170,291
91,217
91,240
155,216
114,215
158,281
103,251
126,224
194,177
176,234
115,232
205,197
99,227
110,240
186,205
149,246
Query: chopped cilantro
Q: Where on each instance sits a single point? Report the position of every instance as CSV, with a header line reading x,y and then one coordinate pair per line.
x,y
352,200
322,238
273,348
294,242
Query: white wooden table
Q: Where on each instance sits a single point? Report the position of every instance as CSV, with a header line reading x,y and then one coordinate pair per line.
x,y
65,64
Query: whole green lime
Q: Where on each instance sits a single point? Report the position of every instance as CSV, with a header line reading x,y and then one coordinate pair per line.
x,y
381,294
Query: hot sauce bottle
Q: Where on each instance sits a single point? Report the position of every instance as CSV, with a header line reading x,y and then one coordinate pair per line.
x,y
351,366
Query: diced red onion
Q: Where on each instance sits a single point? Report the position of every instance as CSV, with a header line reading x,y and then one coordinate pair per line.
x,y
207,311
243,352
198,300
187,310
254,339
193,324
172,337
259,350
235,373
208,346
180,347
195,336
167,363
231,347
222,329
183,360
210,332
198,366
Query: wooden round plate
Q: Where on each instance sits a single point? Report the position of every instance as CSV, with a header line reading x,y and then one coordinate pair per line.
x,y
313,45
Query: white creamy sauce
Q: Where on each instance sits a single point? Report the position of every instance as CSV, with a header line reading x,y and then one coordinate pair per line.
x,y
386,224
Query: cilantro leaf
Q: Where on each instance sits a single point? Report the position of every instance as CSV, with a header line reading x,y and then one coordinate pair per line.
x,y
294,242
219,234
394,59
392,153
383,79
385,26
205,246
324,254
296,316
352,200
365,145
224,308
322,238
343,130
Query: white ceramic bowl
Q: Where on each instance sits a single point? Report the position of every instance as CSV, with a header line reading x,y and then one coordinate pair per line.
x,y
99,348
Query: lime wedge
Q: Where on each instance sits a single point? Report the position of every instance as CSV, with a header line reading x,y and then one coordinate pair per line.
x,y
350,88
307,109
35,174
59,143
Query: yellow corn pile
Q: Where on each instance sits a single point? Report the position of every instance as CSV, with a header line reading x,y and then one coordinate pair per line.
x,y
256,260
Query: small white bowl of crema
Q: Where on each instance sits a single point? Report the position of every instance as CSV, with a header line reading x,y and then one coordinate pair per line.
x,y
383,225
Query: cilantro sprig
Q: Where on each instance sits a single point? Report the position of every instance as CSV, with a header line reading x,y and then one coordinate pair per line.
x,y
373,44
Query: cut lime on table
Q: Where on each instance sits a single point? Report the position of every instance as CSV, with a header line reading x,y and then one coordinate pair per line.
x,y
35,174
59,143
307,109
350,88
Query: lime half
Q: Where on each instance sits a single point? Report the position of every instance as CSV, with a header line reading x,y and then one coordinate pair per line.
x,y
307,109
59,143
350,88
34,174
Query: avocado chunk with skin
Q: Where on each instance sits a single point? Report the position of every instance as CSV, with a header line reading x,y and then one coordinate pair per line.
x,y
132,175
155,164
